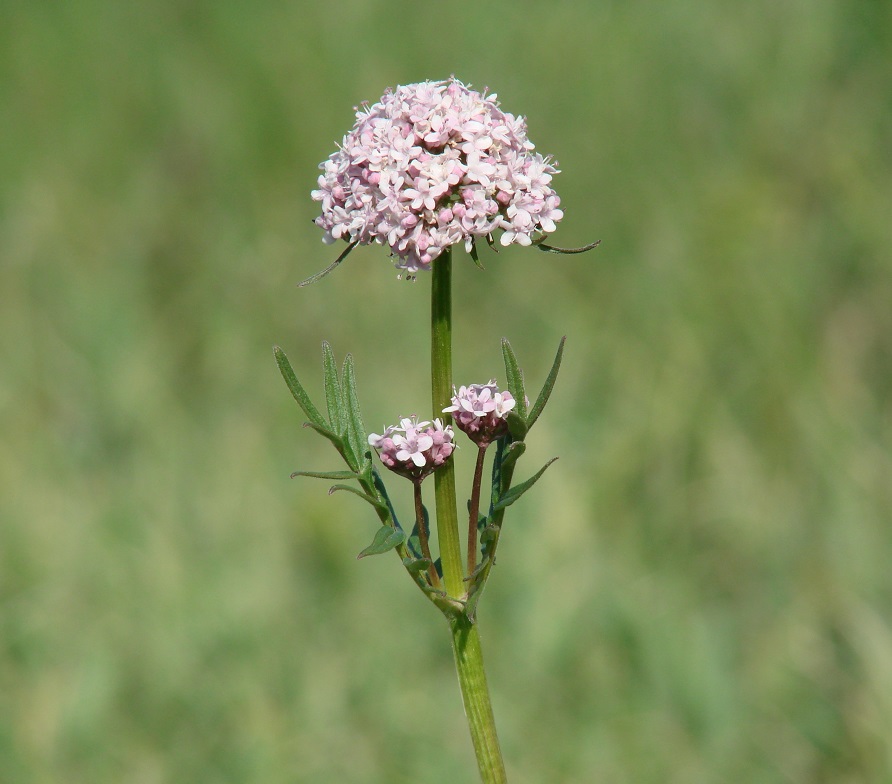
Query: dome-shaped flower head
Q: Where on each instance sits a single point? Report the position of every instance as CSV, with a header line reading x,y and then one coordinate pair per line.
x,y
481,411
432,164
412,448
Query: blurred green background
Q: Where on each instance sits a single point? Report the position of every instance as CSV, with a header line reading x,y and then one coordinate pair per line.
x,y
699,591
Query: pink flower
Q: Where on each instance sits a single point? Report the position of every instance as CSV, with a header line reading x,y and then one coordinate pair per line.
x,y
414,449
432,164
480,411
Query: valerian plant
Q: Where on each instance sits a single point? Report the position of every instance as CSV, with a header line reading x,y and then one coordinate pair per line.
x,y
429,166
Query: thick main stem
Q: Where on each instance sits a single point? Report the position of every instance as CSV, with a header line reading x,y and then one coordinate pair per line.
x,y
475,696
441,393
465,635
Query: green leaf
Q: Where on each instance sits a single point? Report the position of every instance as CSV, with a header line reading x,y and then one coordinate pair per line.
x,y
474,599
322,430
299,393
416,565
487,536
566,251
488,533
337,416
514,451
517,425
382,493
474,256
472,577
518,490
364,496
515,379
355,428
386,538
327,474
330,267
539,405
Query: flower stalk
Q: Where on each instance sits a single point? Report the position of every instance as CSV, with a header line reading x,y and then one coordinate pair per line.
x,y
474,510
422,535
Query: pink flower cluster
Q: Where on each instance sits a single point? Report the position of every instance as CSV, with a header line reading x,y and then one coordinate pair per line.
x,y
412,448
480,411
432,164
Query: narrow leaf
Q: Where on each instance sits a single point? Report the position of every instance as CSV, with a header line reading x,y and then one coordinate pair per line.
x,y
382,492
329,268
322,430
498,478
364,496
515,450
472,577
386,538
539,405
327,474
333,395
488,534
518,490
567,251
517,426
515,379
474,256
355,428
300,395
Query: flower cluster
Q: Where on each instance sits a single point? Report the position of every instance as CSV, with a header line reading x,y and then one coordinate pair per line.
x,y
480,410
433,164
412,448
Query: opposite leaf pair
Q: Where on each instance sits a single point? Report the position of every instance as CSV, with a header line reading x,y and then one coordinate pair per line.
x,y
485,414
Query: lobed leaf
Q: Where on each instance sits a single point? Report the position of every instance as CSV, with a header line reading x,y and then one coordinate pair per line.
x,y
539,405
297,391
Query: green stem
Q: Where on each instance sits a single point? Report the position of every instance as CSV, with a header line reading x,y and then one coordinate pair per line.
x,y
441,392
475,695
465,635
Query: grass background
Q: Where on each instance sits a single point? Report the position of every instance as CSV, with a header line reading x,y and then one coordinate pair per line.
x,y
699,591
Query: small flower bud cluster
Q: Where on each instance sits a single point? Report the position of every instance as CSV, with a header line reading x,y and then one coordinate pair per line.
x,y
412,448
432,164
480,411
